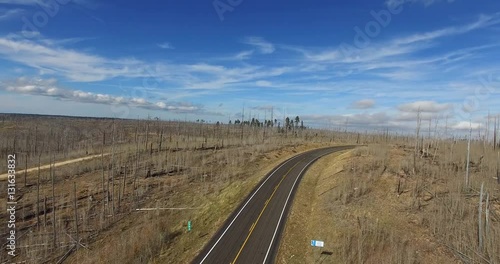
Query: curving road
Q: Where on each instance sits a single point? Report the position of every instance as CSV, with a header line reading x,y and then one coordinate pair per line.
x,y
252,233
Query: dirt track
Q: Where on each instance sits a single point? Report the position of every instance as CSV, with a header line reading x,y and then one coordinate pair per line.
x,y
58,164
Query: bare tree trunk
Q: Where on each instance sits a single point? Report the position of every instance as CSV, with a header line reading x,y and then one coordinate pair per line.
x,y
113,173
417,133
45,210
14,144
136,169
26,170
136,151
104,193
76,216
124,183
54,240
147,134
467,182
495,134
498,167
429,136
487,133
36,139
497,144
38,196
242,124
161,139
487,218
119,192
480,219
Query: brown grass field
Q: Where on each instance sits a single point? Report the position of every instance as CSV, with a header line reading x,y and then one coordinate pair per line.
x,y
370,207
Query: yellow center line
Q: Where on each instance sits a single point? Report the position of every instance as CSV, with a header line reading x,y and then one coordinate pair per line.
x,y
263,209
252,227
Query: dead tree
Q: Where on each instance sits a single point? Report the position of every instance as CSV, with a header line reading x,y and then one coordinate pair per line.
x,y
76,216
54,239
113,172
38,196
417,135
498,167
480,219
26,170
467,182
495,128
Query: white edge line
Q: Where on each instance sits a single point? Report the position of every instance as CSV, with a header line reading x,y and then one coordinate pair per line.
x,y
286,203
234,219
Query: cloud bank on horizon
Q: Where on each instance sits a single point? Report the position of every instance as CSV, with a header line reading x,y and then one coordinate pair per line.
x,y
366,64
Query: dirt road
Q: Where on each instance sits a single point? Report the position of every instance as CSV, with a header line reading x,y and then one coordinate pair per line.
x,y
3,177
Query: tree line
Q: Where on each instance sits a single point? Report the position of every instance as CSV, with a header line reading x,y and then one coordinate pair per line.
x,y
290,123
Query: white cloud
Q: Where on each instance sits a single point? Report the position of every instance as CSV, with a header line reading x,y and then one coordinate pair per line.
x,y
414,116
76,66
166,45
424,106
224,76
378,119
464,125
363,104
396,3
264,108
20,2
51,88
482,22
6,14
389,54
244,55
263,84
264,46
43,2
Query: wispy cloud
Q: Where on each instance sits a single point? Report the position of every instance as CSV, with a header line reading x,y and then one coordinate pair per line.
x,y
263,83
424,106
464,125
395,3
20,2
221,76
50,56
244,55
6,14
264,108
166,45
51,88
416,57
261,44
481,22
44,2
395,47
372,120
363,104
74,65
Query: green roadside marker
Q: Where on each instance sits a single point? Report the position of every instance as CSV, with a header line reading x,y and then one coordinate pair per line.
x,y
189,225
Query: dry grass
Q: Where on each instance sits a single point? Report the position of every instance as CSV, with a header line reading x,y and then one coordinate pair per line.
x,y
369,207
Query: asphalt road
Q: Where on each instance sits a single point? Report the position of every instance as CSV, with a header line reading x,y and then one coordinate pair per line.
x,y
252,233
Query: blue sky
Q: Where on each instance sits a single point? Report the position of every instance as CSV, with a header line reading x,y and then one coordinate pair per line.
x,y
370,64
